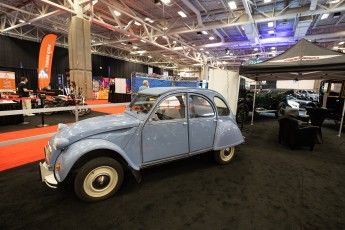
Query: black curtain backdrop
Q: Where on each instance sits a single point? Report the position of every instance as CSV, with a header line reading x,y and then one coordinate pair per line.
x,y
21,57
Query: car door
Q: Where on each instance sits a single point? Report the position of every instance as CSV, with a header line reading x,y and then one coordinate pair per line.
x,y
202,123
165,135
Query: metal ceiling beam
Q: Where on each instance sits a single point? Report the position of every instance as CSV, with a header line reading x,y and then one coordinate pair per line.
x,y
55,5
258,18
53,13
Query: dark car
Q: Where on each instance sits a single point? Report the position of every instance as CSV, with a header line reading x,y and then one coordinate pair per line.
x,y
270,101
335,89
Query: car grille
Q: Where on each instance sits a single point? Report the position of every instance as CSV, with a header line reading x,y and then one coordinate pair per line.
x,y
47,152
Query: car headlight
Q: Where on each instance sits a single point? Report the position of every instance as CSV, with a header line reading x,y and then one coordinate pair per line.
x,y
293,104
60,143
61,126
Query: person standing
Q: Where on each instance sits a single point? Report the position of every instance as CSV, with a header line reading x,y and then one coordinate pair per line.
x,y
145,85
24,93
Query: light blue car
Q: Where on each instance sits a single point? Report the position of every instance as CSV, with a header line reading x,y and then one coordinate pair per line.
x,y
159,125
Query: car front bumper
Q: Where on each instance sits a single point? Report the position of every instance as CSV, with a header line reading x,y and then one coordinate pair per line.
x,y
47,176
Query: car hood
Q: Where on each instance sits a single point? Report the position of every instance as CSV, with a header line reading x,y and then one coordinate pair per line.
x,y
96,125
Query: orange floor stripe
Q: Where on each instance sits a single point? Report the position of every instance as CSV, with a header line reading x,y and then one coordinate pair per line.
x,y
18,154
15,155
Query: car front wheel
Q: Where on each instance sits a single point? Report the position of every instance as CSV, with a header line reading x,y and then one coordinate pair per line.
x,y
98,179
281,107
225,156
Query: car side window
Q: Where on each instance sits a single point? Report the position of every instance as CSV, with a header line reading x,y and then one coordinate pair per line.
x,y
222,108
171,108
200,107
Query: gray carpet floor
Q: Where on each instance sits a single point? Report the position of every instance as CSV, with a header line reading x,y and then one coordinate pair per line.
x,y
268,186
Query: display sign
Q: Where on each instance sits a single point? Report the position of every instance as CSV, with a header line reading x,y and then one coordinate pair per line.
x,y
7,81
254,61
45,60
120,85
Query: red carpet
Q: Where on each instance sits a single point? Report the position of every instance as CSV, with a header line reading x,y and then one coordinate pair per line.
x,y
18,154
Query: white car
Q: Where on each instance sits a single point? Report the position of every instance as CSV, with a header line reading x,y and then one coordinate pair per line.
x,y
309,94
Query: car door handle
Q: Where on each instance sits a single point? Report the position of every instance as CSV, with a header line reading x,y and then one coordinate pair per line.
x,y
185,123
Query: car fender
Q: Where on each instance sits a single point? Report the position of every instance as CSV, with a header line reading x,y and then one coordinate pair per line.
x,y
227,134
70,155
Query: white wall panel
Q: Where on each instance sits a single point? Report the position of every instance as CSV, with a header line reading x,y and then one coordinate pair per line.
x,y
227,84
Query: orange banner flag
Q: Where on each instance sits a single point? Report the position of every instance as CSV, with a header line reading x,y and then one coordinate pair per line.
x,y
45,60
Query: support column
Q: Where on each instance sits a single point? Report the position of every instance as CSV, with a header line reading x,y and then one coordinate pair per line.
x,y
205,72
79,50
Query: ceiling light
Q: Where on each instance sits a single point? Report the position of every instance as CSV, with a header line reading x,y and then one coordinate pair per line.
x,y
137,23
242,27
166,1
194,45
256,49
165,28
273,48
143,41
270,24
174,42
340,43
141,54
271,31
123,43
232,5
335,47
211,38
22,21
201,48
334,1
117,13
324,16
182,14
147,19
149,56
165,37
267,1
207,52
151,21
135,47
128,35
204,32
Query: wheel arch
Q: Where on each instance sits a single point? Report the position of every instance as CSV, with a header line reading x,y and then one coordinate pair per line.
x,y
104,152
82,151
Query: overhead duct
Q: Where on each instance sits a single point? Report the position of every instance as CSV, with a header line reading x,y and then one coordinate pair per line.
x,y
313,4
303,26
250,33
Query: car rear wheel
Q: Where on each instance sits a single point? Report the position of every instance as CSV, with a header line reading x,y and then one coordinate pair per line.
x,y
225,156
98,179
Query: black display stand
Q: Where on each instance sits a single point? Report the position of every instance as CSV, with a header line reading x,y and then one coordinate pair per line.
x,y
42,97
119,97
11,119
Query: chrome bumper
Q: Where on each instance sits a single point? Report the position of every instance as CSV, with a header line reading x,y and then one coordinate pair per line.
x,y
47,176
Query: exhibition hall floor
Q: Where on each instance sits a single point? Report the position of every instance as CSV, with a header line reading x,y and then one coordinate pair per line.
x,y
268,186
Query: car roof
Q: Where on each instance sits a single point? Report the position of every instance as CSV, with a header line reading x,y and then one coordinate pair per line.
x,y
158,91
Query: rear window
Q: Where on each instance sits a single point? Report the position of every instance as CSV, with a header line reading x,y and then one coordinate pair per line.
x,y
223,110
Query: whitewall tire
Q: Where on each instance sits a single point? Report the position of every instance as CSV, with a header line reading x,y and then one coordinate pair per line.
x,y
98,179
225,156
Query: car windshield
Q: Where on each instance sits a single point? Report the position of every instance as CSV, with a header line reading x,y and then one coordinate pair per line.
x,y
143,103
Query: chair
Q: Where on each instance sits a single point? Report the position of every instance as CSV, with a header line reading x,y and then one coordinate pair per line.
x,y
295,135
317,117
